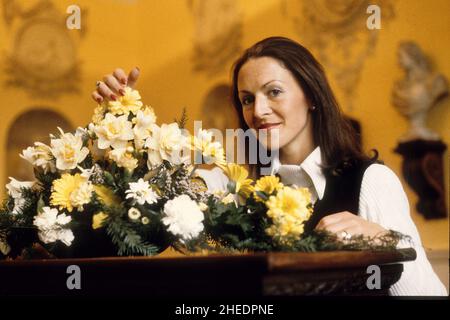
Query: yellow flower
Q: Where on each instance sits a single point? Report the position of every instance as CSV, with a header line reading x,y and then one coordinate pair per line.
x,y
238,175
129,102
289,209
145,220
124,158
106,196
99,114
98,220
268,185
71,191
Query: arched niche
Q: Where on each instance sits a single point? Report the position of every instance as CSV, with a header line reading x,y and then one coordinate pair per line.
x,y
29,127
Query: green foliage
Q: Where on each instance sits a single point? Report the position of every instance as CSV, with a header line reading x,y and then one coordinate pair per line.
x,y
126,238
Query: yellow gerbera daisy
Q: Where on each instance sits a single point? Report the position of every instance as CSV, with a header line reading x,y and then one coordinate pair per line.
x,y
238,175
70,191
268,185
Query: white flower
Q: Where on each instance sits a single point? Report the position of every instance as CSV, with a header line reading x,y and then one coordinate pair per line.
x,y
184,217
166,143
4,247
144,122
68,150
124,158
15,191
230,198
203,206
145,220
82,195
40,156
212,152
50,226
142,192
129,102
114,132
134,214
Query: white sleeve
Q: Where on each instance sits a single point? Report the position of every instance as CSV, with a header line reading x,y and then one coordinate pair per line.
x,y
215,179
382,200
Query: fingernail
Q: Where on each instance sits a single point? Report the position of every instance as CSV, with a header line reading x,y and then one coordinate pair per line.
x,y
122,92
113,97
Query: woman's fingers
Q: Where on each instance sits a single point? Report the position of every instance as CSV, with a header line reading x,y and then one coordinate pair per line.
x,y
97,97
133,77
345,223
114,85
325,222
121,76
106,92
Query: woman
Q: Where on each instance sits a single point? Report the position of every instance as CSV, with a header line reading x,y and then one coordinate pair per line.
x,y
278,87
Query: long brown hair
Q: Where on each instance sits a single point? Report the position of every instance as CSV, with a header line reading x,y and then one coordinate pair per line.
x,y
337,139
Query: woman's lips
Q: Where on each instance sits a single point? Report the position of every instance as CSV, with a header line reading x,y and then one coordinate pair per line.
x,y
269,126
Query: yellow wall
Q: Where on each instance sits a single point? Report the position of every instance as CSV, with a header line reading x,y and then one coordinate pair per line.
x,y
157,36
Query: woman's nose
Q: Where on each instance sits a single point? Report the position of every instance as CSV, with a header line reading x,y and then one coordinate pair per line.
x,y
261,108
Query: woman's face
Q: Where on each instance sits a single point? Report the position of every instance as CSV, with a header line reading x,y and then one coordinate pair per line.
x,y
273,103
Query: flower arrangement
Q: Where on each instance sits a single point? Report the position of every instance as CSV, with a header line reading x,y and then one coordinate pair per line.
x,y
125,185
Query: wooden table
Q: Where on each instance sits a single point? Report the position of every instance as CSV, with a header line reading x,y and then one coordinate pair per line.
x,y
260,274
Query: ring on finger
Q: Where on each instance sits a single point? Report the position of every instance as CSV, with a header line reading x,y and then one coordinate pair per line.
x,y
345,235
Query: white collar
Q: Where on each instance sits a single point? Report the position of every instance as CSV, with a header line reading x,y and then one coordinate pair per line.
x,y
311,166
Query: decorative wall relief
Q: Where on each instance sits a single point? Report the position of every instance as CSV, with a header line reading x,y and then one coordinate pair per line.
x,y
421,148
29,127
336,31
217,34
43,58
415,94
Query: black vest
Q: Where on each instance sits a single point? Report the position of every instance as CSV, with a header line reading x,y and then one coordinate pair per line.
x,y
341,194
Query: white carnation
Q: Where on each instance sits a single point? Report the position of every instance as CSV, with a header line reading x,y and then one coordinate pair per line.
x,y
184,217
50,226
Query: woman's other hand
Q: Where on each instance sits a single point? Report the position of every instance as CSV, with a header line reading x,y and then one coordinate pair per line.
x,y
113,85
346,225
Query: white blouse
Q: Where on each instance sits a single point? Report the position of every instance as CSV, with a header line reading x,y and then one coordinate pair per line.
x,y
382,200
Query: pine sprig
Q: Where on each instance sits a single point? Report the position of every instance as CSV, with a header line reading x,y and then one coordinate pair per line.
x,y
127,240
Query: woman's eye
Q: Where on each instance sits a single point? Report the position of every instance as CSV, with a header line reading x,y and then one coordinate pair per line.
x,y
247,100
274,92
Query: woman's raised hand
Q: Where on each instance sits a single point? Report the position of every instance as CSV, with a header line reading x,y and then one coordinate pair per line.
x,y
113,85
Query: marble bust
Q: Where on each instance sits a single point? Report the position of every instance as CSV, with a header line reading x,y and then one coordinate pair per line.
x,y
415,94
